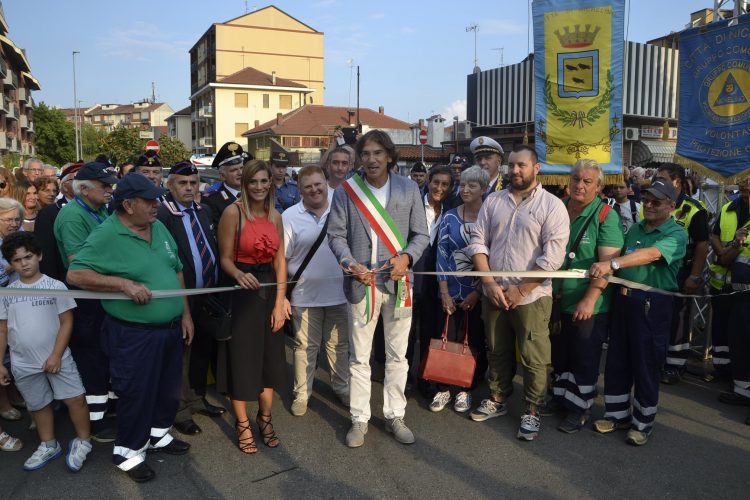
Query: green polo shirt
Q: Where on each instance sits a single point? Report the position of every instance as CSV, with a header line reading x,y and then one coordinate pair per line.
x,y
606,234
73,225
115,250
671,239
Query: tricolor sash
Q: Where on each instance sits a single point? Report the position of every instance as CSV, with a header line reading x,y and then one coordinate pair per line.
x,y
388,232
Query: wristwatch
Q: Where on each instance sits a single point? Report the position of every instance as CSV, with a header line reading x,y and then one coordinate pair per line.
x,y
614,264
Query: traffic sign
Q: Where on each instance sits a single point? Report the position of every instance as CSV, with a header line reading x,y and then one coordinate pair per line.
x,y
423,137
153,146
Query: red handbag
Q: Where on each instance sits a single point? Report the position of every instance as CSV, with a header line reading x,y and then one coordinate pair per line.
x,y
451,363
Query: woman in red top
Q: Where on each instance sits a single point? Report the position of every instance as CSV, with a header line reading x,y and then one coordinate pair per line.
x,y
251,251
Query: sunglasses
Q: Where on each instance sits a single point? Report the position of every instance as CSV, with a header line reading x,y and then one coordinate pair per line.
x,y
3,185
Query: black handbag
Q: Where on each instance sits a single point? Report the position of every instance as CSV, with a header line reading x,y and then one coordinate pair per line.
x,y
215,310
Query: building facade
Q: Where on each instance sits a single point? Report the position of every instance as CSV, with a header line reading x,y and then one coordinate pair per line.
x,y
249,69
17,106
179,125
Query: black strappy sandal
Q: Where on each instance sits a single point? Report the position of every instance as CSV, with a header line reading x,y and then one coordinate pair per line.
x,y
270,438
246,445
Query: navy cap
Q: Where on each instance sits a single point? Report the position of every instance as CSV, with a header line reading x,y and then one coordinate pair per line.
x,y
662,189
135,185
230,153
279,159
95,171
183,168
148,159
418,167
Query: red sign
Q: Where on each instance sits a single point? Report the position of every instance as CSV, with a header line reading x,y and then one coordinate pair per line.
x,y
423,137
152,146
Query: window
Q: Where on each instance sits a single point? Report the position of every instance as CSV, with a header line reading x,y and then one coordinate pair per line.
x,y
240,100
136,116
285,102
266,101
240,128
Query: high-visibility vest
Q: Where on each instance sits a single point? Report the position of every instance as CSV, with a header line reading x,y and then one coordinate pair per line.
x,y
741,269
719,276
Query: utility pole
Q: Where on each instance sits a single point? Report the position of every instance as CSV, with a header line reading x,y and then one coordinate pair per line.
x,y
359,124
474,27
75,108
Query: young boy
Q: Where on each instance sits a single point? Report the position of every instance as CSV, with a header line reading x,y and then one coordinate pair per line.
x,y
38,329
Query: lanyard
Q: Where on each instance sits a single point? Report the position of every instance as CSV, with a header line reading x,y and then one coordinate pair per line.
x,y
97,217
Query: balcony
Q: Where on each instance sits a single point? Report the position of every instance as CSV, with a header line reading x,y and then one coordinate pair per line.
x,y
206,111
206,142
4,104
12,113
24,122
3,68
30,104
11,80
25,149
22,94
3,142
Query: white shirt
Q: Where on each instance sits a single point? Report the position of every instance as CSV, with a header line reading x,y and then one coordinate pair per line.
x,y
626,217
381,194
235,192
321,283
433,219
33,323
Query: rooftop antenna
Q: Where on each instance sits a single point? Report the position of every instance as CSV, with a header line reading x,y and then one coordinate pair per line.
x,y
474,27
245,6
501,50
153,92
350,62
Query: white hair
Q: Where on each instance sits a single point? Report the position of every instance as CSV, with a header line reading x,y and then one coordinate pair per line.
x,y
78,184
8,204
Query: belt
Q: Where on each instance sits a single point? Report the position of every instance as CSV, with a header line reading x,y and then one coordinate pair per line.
x,y
151,326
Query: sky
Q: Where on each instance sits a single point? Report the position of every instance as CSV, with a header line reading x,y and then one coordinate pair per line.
x,y
413,55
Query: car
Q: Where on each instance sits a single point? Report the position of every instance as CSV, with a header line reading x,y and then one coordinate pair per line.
x,y
202,160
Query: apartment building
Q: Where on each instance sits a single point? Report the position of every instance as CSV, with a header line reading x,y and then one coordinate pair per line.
x,y
17,106
248,70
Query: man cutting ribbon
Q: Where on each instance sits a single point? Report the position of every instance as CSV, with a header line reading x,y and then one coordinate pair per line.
x,y
377,220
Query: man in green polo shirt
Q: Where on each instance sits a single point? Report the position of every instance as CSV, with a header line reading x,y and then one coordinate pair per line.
x,y
652,255
595,234
92,187
133,253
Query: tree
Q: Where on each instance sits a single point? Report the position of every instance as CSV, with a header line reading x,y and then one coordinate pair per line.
x,y
92,139
125,144
55,136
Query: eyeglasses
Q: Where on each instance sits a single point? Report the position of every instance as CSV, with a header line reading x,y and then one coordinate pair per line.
x,y
654,203
366,155
34,170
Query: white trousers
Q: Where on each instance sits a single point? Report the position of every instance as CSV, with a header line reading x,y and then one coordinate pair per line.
x,y
314,326
396,366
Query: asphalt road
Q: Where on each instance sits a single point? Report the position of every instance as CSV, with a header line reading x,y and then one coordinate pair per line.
x,y
699,449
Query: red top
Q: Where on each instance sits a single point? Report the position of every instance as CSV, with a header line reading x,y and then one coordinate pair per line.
x,y
259,241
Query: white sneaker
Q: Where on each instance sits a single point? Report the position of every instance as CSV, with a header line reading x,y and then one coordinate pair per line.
x,y
299,407
530,424
488,409
463,402
440,401
77,453
42,455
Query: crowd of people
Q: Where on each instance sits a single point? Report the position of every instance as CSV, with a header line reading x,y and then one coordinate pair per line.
x,y
354,259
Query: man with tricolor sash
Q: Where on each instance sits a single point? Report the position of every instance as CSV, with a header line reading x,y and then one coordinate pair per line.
x,y
377,229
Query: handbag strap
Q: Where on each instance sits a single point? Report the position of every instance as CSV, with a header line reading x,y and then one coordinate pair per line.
x,y
307,259
579,237
239,233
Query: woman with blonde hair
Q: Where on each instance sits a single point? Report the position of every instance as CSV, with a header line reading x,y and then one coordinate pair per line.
x,y
251,248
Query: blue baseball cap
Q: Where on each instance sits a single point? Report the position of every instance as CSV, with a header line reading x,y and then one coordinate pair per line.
x,y
135,185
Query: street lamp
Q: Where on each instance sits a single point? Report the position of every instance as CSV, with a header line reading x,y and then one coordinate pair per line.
x,y
75,108
474,27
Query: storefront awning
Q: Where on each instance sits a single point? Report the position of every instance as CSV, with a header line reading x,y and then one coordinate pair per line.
x,y
652,151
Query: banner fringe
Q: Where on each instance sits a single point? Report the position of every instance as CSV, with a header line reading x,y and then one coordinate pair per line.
x,y
564,179
705,171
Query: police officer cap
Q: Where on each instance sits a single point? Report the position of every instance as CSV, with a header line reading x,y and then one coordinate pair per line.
x,y
148,159
484,144
95,171
230,153
418,167
135,185
460,160
279,159
183,168
662,189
